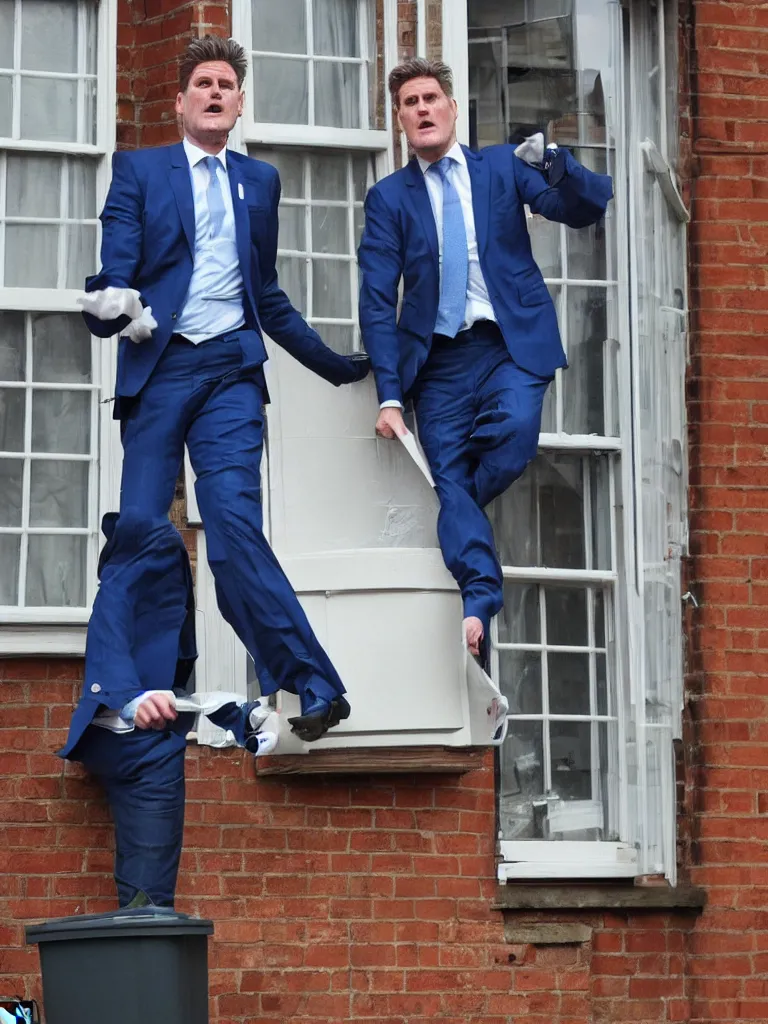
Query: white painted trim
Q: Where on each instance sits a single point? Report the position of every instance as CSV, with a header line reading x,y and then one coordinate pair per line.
x,y
532,858
40,300
455,55
259,133
42,641
368,569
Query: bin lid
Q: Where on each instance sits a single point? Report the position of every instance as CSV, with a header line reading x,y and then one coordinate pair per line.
x,y
116,924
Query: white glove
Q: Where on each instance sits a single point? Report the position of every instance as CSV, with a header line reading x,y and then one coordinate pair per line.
x,y
532,150
141,328
112,303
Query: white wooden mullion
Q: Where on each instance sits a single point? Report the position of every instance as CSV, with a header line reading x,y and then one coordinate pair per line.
x,y
310,64
362,37
308,237
553,717
58,531
27,467
353,289
63,233
3,200
81,70
16,94
546,747
588,648
92,547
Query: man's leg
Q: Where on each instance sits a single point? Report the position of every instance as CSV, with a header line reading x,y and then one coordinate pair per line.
x,y
142,773
225,444
446,410
505,435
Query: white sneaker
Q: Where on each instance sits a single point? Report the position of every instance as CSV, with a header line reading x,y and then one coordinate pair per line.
x,y
267,742
258,716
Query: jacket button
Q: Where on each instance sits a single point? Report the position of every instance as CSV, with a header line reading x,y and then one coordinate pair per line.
x,y
95,688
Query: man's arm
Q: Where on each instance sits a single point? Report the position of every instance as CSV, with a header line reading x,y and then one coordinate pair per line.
x,y
286,326
565,192
121,239
380,259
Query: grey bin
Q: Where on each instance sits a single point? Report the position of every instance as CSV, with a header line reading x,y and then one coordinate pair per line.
x,y
143,966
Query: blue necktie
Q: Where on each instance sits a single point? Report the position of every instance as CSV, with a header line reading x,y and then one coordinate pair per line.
x,y
455,268
216,207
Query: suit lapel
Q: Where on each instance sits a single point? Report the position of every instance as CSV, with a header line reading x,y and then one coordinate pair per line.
x,y
480,177
417,190
242,223
181,183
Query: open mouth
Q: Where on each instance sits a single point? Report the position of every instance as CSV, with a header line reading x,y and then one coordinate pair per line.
x,y
213,108
424,125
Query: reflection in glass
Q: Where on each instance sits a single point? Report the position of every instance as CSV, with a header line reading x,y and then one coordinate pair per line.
x,y
58,494
49,110
33,185
279,27
522,803
11,471
568,683
520,681
12,402
518,620
280,91
571,759
12,346
331,289
337,95
61,422
330,230
566,613
586,337
292,275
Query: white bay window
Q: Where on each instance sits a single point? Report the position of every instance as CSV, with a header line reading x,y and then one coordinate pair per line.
x,y
588,649
56,129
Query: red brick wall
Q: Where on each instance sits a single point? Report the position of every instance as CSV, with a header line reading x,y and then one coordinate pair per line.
x,y
728,411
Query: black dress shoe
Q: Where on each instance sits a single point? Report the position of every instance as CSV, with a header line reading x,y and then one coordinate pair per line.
x,y
318,715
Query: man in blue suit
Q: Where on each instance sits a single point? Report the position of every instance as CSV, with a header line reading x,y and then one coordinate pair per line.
x,y
188,279
476,342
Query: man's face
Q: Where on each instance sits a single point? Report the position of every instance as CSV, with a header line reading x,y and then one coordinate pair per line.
x,y
428,117
212,103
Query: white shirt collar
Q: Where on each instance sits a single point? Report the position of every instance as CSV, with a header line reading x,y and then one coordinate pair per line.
x,y
195,154
455,152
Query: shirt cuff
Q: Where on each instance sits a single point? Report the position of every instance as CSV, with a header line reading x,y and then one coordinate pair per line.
x,y
391,404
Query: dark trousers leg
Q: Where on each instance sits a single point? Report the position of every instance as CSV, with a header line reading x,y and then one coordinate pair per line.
x,y
478,415
142,773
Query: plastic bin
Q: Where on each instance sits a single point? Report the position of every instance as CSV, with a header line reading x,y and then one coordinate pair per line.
x,y
144,966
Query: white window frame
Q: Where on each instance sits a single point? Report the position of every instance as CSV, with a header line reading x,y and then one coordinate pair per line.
x,y
61,631
222,656
534,859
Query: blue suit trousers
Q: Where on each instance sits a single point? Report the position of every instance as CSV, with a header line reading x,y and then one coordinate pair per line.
x,y
198,395
142,773
478,415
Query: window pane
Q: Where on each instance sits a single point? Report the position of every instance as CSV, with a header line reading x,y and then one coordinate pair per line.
x,y
56,571
12,419
566,613
337,95
9,566
568,683
518,620
31,256
82,189
520,681
340,337
330,230
331,293
545,242
335,26
11,471
586,252
329,176
363,175
570,745
290,167
292,274
81,253
49,35
12,346
583,383
61,422
34,186
522,803
292,228
6,33
58,494
279,27
280,91
6,106
49,110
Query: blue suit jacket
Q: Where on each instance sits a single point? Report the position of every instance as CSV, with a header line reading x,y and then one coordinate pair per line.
x,y
148,240
400,240
143,640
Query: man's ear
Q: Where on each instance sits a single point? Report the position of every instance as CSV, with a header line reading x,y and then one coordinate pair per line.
x,y
398,122
179,103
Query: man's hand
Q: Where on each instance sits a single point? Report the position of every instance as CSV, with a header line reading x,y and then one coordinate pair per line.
x,y
141,328
391,424
112,303
154,712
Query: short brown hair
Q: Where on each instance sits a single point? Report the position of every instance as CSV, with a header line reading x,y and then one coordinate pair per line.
x,y
419,67
208,48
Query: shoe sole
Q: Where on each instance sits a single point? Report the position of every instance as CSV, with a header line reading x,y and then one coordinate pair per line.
x,y
311,727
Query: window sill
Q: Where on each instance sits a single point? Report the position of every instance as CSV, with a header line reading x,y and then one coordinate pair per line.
x,y
375,761
621,896
43,640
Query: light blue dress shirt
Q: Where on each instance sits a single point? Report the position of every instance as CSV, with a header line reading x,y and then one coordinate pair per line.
x,y
214,302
